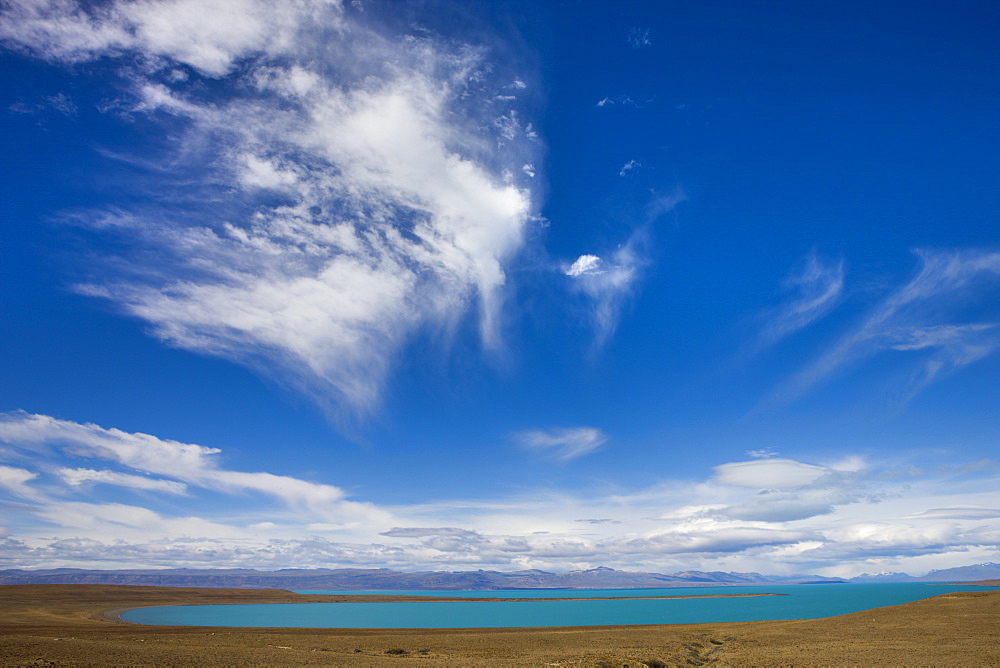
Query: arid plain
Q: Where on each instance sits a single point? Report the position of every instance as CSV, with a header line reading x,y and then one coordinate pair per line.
x,y
72,625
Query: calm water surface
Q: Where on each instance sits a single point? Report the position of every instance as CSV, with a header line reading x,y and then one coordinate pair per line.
x,y
794,602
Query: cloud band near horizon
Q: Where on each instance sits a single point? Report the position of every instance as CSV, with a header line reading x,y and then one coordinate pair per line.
x,y
65,484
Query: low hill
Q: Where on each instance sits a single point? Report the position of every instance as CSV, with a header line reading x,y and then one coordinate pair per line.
x,y
360,579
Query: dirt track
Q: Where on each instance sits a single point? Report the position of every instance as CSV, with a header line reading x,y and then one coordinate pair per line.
x,y
67,625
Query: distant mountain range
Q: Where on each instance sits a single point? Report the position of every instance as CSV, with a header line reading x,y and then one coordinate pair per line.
x,y
990,571
359,579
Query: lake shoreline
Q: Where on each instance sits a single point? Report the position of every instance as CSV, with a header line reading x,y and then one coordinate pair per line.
x,y
115,614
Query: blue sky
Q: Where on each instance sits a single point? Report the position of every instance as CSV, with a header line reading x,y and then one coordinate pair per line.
x,y
651,285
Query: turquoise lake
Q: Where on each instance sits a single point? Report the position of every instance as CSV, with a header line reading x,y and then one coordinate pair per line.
x,y
793,602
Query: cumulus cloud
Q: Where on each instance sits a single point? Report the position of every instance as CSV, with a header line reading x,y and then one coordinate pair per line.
x,y
586,264
333,187
919,318
563,444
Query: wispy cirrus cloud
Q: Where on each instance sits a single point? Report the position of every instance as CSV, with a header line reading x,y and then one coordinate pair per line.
x,y
563,444
622,100
629,167
15,480
928,316
958,513
60,103
607,284
334,187
209,37
638,38
816,287
81,476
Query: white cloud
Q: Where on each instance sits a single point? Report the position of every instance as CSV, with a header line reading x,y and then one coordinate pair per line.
x,y
15,480
563,444
628,167
623,100
661,203
883,537
799,504
711,535
117,521
918,318
762,453
207,36
585,264
770,473
84,476
852,463
369,179
417,532
958,513
788,490
185,463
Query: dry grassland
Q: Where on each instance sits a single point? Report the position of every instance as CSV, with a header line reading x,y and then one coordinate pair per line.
x,y
68,625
